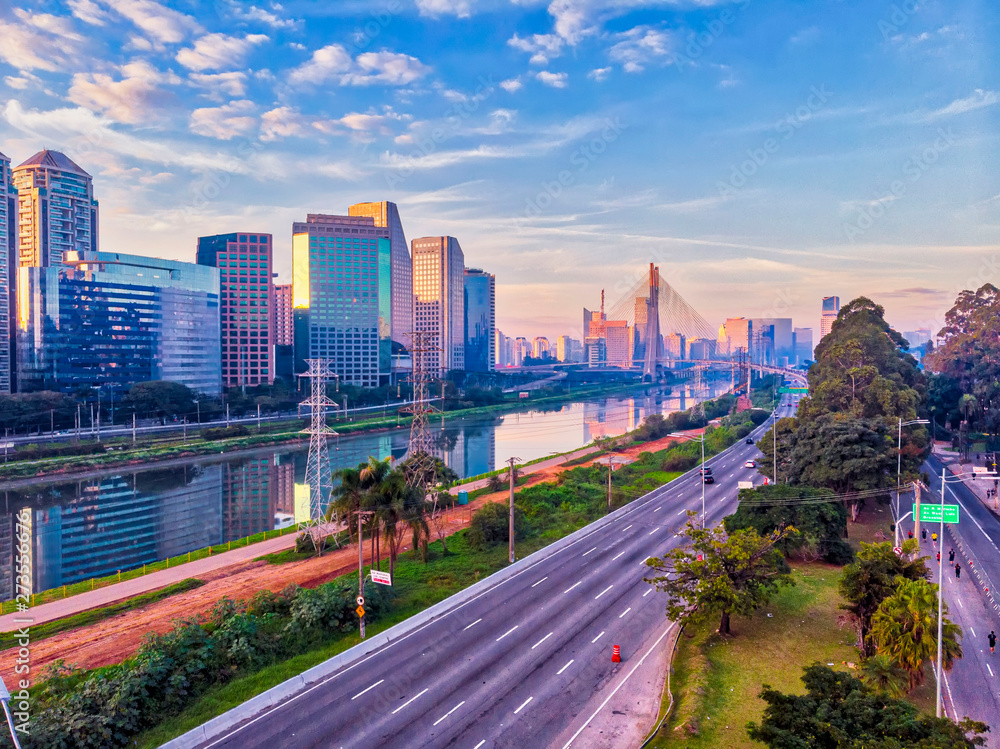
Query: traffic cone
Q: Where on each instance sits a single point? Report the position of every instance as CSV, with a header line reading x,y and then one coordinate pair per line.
x,y
616,654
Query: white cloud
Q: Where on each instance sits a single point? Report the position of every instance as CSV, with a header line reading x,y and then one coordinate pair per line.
x,y
282,122
225,122
163,24
599,74
541,47
979,99
133,99
556,80
639,46
512,85
31,47
217,84
138,43
460,8
215,51
20,82
88,11
390,68
253,13
55,25
326,62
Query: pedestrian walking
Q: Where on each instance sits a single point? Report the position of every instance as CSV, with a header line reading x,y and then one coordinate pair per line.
x,y
923,534
993,640
951,556
958,571
909,534
938,557
934,537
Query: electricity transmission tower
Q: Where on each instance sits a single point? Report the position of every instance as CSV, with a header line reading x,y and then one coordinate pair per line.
x,y
318,475
420,457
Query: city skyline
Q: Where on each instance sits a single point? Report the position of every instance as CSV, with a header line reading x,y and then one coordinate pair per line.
x,y
526,138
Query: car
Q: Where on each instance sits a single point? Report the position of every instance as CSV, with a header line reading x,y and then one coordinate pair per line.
x,y
749,464
749,440
709,478
707,471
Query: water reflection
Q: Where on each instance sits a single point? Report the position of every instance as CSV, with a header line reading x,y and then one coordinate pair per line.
x,y
90,528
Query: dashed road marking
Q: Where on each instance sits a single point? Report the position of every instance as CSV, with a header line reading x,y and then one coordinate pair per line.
x,y
541,641
473,624
604,591
541,581
409,701
594,549
523,705
506,633
624,612
618,555
368,689
597,638
449,712
572,586
559,672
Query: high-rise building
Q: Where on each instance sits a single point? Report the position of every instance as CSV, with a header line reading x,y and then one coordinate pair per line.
x,y
830,310
246,274
701,348
735,334
502,349
540,347
439,291
8,271
783,346
284,330
342,296
803,344
521,349
386,216
620,342
110,319
480,321
675,345
567,349
57,212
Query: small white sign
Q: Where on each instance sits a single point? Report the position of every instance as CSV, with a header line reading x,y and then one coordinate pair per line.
x,y
980,469
360,600
382,578
7,445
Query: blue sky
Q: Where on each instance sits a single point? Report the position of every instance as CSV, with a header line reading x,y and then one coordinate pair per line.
x,y
763,154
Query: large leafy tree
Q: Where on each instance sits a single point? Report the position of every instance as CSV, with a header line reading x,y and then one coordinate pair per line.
x,y
839,712
905,629
970,354
871,578
720,574
160,398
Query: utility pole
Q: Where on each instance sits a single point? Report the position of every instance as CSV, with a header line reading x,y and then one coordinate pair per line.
x,y
258,418
361,568
77,422
185,428
52,420
133,427
510,475
227,415
916,510
611,460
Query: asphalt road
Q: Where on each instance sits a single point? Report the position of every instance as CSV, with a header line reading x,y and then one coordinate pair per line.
x,y
520,665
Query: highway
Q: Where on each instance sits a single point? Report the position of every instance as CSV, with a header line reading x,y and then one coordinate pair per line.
x,y
523,663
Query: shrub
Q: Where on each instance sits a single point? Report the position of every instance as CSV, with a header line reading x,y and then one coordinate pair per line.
x,y
679,462
490,525
224,433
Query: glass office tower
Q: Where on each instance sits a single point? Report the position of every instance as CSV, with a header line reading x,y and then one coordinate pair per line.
x,y
110,319
480,320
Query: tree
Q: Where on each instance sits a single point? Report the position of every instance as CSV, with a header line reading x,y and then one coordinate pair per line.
x,y
839,712
161,399
720,575
490,525
905,628
821,525
395,498
872,578
883,675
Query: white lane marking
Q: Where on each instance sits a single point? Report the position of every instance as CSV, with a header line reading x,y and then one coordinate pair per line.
x,y
618,555
559,672
541,641
626,527
506,633
604,591
643,562
571,587
620,685
989,669
541,581
479,744
658,508
597,638
473,624
647,592
960,604
653,531
368,689
449,712
409,701
973,631
624,612
594,549
523,705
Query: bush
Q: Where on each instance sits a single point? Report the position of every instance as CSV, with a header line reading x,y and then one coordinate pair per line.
x,y
490,525
224,433
34,452
835,551
679,462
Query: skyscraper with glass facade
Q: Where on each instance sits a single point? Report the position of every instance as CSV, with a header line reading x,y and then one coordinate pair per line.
x,y
284,331
57,212
439,309
110,319
342,296
386,215
246,308
828,315
8,264
480,320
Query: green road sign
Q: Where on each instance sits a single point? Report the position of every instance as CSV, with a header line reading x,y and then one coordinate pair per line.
x,y
931,513
793,390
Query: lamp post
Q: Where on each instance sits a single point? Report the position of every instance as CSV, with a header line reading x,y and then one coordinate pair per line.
x,y
700,439
899,465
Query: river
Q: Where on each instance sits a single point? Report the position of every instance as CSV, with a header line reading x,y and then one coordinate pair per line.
x,y
119,521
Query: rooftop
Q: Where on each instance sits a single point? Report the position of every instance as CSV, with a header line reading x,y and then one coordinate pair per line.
x,y
53,160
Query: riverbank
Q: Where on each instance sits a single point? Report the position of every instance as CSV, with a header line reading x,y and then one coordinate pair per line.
x,y
122,454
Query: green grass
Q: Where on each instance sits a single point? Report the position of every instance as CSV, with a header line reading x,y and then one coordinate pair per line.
x,y
716,680
92,616
416,586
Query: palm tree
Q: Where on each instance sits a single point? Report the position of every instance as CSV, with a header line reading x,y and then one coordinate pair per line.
x,y
905,629
395,496
348,496
882,674
415,514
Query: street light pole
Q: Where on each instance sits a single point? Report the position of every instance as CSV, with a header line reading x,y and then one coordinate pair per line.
x,y
940,594
510,475
703,481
